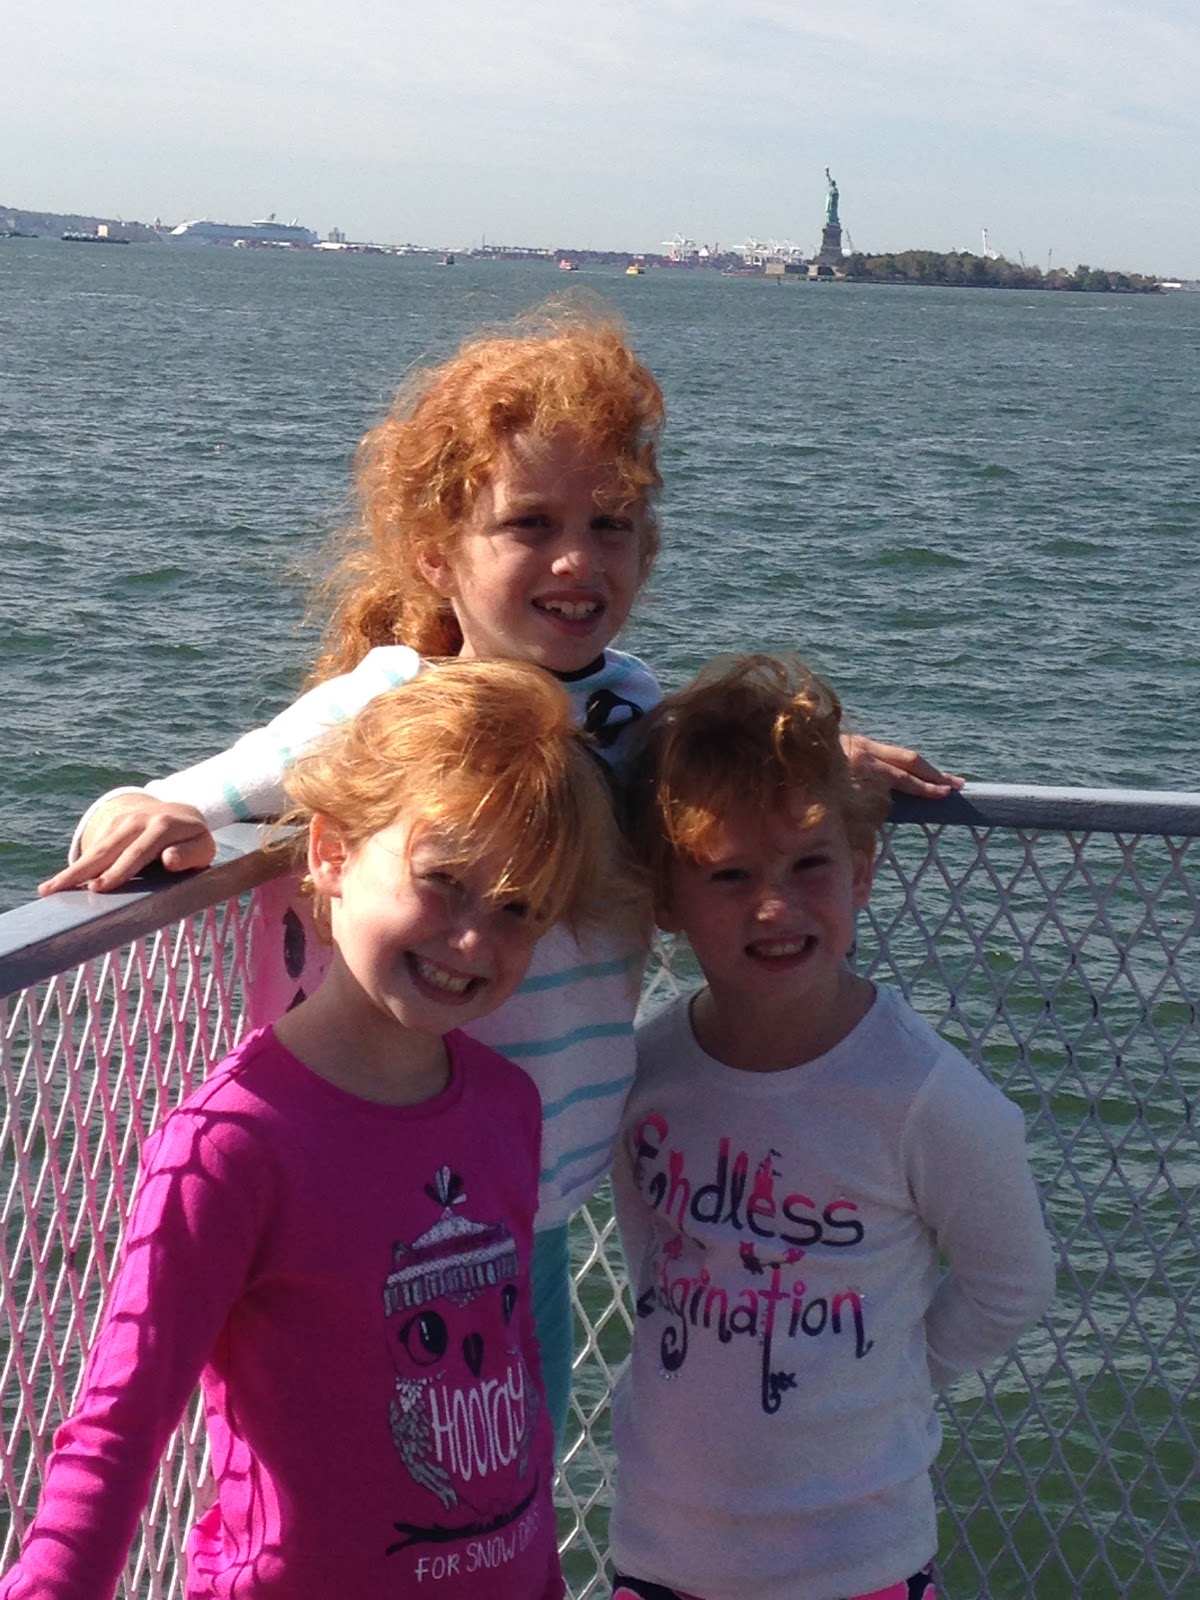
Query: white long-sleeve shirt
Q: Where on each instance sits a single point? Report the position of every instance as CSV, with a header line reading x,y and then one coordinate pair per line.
x,y
245,782
776,1424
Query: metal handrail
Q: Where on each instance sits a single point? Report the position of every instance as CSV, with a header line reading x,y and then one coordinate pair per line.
x,y
43,937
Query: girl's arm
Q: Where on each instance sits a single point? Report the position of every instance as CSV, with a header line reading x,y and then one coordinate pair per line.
x,y
172,818
893,766
973,1186
123,832
185,1259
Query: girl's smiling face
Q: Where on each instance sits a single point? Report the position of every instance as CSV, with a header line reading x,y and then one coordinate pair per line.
x,y
548,562
418,936
770,918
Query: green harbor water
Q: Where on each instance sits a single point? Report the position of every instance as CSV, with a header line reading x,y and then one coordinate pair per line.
x,y
977,512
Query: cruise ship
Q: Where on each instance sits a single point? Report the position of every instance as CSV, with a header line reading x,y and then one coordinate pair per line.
x,y
266,231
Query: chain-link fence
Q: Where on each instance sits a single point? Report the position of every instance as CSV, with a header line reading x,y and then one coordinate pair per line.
x,y
1056,941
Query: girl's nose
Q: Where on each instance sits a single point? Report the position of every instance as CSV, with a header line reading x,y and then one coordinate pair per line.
x,y
467,935
771,904
573,558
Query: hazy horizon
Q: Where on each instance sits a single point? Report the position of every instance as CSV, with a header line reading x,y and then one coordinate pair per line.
x,y
1064,127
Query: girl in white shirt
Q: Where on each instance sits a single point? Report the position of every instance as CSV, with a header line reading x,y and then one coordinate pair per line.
x,y
798,1153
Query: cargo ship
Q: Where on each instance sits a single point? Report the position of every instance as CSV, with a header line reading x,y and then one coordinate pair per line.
x,y
101,236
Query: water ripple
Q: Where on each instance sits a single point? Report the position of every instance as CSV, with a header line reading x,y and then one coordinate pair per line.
x,y
976,512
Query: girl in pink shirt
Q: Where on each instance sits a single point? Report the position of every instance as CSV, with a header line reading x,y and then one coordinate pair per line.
x,y
333,1234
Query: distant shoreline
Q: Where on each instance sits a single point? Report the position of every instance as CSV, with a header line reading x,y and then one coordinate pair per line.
x,y
912,268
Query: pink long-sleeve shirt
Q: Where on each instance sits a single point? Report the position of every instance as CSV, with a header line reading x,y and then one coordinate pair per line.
x,y
349,1282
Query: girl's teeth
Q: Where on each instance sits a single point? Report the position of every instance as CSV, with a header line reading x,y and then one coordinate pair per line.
x,y
573,611
786,947
440,978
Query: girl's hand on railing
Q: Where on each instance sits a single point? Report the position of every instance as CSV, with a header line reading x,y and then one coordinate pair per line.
x,y
894,767
126,834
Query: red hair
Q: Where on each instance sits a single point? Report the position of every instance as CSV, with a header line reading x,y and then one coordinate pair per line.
x,y
758,733
418,472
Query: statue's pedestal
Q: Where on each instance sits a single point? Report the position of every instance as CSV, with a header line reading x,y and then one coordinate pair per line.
x,y
830,253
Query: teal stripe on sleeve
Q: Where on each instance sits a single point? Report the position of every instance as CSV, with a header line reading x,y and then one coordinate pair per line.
x,y
585,1092
236,804
550,1047
382,677
604,1151
595,969
337,713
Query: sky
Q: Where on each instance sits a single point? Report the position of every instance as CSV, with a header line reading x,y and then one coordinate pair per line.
x,y
1069,129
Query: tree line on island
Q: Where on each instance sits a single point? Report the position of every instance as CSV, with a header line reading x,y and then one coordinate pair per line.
x,y
960,269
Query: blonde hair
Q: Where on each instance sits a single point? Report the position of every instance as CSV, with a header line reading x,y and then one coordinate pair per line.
x,y
486,754
417,474
758,733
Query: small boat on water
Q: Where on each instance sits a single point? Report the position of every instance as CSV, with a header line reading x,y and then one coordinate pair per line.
x,y
635,270
567,266
447,260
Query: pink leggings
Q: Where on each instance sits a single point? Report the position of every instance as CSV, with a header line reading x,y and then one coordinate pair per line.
x,y
919,1587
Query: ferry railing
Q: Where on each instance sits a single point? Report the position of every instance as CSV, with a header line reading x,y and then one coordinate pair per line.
x,y
1054,935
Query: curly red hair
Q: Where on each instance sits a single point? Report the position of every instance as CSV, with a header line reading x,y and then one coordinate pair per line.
x,y
418,472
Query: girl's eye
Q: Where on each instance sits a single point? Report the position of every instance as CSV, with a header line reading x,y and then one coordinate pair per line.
x,y
728,875
516,908
613,525
445,882
807,863
528,523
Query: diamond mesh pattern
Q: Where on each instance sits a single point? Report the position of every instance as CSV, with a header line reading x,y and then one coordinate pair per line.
x,y
90,1063
1066,965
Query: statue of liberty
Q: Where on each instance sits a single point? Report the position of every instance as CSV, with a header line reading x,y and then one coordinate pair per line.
x,y
831,201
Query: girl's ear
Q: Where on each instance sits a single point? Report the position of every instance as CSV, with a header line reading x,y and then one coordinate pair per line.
x,y
328,852
863,875
434,566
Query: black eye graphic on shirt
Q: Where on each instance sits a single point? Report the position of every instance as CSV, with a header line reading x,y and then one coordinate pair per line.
x,y
472,1348
425,1338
